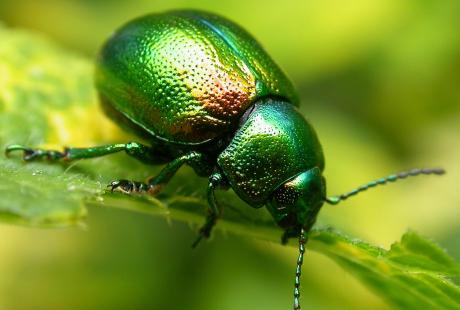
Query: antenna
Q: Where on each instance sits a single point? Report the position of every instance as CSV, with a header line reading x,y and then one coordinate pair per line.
x,y
391,178
298,270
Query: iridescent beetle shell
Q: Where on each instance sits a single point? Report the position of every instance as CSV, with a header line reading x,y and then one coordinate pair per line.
x,y
186,76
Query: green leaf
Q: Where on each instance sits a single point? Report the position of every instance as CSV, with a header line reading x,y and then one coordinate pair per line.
x,y
412,274
47,99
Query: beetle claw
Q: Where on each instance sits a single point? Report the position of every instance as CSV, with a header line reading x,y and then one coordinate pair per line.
x,y
123,186
28,153
13,148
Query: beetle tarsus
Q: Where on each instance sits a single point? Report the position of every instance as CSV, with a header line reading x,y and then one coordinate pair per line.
x,y
197,241
30,154
128,187
205,231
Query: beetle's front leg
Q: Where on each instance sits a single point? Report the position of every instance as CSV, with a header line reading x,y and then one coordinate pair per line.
x,y
155,184
215,180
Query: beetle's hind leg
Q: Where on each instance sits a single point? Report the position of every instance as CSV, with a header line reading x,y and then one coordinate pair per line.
x,y
155,184
139,151
30,154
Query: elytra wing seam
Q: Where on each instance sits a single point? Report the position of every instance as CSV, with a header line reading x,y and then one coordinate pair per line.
x,y
231,45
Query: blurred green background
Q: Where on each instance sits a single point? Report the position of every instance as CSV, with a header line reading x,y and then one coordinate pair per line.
x,y
378,79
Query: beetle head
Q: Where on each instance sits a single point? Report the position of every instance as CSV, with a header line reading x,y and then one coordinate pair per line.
x,y
296,202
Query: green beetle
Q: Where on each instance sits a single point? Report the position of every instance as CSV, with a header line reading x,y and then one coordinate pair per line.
x,y
203,92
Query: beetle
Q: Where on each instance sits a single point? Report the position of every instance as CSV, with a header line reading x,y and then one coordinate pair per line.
x,y
203,92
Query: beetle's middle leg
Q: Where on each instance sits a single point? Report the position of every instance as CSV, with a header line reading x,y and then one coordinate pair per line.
x,y
155,184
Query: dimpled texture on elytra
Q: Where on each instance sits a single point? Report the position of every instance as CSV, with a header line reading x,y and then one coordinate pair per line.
x,y
186,76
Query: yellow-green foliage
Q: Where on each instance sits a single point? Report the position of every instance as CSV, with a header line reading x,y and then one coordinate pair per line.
x,y
47,98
